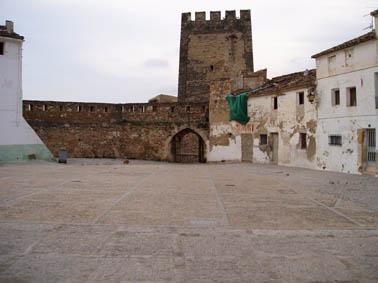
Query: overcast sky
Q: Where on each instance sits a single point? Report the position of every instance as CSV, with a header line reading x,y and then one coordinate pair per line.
x,y
128,51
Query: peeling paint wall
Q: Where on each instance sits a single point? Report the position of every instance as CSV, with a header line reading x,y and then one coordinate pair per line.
x,y
346,121
288,121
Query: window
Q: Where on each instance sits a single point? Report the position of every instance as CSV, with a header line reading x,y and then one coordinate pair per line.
x,y
212,68
376,89
123,108
79,108
60,108
105,109
301,98
275,102
303,140
154,108
187,108
351,96
44,107
335,140
263,139
172,109
203,108
335,96
2,48
143,109
30,107
91,109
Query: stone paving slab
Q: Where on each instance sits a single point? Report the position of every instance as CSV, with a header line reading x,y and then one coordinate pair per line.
x,y
103,221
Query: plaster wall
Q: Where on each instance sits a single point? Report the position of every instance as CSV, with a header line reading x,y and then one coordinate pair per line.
x,y
345,121
17,138
288,121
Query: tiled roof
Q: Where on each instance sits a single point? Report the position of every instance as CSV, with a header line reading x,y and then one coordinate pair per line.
x,y
286,82
363,38
4,32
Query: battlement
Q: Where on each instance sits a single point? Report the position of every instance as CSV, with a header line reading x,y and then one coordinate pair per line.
x,y
215,17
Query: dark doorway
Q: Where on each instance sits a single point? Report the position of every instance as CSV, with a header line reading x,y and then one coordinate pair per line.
x,y
188,147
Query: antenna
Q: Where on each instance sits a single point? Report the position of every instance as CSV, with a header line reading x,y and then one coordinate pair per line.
x,y
370,26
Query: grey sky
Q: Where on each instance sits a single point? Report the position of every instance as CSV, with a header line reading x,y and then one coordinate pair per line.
x,y
128,51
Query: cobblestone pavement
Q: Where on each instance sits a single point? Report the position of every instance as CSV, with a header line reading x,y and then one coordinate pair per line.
x,y
103,221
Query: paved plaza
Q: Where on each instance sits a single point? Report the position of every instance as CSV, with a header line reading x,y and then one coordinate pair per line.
x,y
104,221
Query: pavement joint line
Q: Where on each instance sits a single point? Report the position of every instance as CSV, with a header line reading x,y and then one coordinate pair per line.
x,y
55,188
327,207
220,201
133,189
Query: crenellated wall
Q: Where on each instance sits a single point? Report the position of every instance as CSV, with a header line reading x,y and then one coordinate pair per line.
x,y
138,130
212,50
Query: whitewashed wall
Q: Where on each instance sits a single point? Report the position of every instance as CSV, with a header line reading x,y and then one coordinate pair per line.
x,y
288,122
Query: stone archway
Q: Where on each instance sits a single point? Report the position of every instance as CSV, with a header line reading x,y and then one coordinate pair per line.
x,y
187,146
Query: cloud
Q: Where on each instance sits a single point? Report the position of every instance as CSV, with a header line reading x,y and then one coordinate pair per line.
x,y
156,63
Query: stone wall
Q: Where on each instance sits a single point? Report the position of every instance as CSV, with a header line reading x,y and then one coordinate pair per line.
x,y
211,50
139,130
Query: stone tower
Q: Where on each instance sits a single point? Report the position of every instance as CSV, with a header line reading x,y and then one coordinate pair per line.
x,y
212,50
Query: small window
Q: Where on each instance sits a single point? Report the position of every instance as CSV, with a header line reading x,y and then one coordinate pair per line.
x,y
212,68
172,109
79,108
2,48
335,96
133,109
106,109
143,109
303,140
154,108
187,108
376,89
91,109
203,109
335,140
263,139
44,107
351,96
301,98
60,108
30,107
275,102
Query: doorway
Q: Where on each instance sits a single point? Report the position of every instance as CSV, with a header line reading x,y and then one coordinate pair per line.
x,y
247,147
274,147
370,144
187,147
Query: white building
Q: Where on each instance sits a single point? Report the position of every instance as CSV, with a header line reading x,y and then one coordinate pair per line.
x,y
283,116
347,91
17,139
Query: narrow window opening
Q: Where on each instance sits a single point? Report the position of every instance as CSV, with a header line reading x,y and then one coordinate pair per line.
x,y
187,108
172,109
91,109
351,96
303,140
60,108
275,102
106,109
301,98
154,108
30,107
79,108
263,139
212,68
335,97
44,107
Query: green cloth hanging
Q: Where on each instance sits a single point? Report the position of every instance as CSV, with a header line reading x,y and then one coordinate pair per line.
x,y
238,107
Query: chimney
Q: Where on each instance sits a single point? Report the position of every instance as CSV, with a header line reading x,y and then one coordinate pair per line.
x,y
374,14
9,26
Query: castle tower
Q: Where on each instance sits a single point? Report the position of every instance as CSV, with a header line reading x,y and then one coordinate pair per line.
x,y
212,50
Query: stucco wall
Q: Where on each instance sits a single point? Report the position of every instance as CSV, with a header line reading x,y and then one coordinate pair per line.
x,y
17,138
345,121
289,120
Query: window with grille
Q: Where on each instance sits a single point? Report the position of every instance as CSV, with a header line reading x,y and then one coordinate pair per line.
x,y
335,140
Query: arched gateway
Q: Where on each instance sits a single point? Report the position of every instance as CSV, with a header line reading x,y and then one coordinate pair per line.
x,y
187,146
